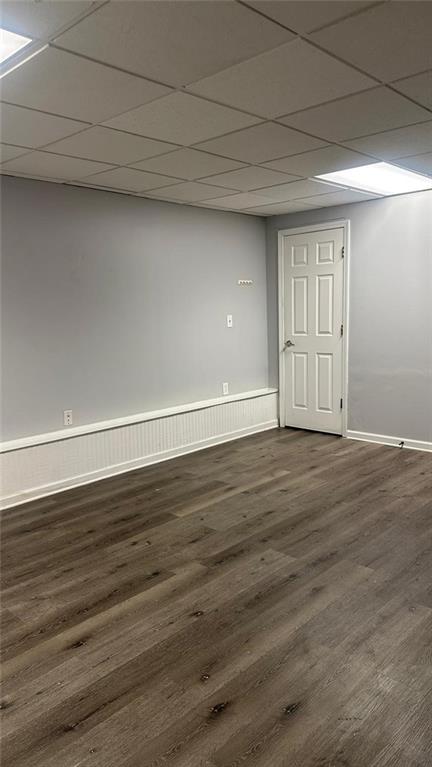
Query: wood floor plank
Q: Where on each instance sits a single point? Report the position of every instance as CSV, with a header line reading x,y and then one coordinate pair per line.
x,y
266,603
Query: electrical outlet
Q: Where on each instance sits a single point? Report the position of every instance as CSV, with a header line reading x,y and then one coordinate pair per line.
x,y
225,388
229,321
67,417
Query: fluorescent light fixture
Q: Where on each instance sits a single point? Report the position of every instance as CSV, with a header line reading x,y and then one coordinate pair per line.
x,y
11,43
379,178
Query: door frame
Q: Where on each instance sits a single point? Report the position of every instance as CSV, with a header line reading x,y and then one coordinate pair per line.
x,y
333,224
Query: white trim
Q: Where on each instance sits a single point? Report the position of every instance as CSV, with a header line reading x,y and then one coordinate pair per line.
x,y
281,366
44,469
116,423
412,444
346,324
336,224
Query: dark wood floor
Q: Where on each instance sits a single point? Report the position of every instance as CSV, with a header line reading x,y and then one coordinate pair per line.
x,y
267,602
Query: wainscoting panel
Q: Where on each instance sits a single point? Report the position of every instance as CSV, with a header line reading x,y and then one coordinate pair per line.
x,y
42,469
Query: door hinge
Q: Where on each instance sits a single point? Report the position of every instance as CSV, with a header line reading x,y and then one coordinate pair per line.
x,y
341,403
343,251
341,329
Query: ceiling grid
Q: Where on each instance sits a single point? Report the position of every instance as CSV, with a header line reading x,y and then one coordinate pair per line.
x,y
156,99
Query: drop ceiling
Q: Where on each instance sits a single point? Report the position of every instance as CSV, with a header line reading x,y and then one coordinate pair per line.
x,y
218,103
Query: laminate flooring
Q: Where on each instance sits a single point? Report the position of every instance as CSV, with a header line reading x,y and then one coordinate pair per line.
x,y
266,603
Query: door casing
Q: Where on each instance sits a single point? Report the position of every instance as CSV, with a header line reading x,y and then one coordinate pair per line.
x,y
338,223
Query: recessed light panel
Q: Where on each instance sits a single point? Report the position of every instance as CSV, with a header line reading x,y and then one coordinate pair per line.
x,y
11,43
380,178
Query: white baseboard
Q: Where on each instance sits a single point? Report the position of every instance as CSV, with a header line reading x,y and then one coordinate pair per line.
x,y
412,444
42,469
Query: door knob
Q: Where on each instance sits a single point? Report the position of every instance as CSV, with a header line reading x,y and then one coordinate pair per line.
x,y
288,344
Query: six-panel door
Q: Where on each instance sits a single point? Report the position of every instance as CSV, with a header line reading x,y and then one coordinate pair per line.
x,y
312,332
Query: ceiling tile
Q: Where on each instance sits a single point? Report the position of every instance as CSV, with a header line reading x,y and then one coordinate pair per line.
x,y
110,146
129,179
99,187
283,80
418,87
238,201
49,82
34,176
173,42
279,208
40,19
155,196
188,164
9,152
208,206
360,115
342,197
304,16
34,129
261,143
420,162
296,190
182,119
390,41
249,178
416,139
325,160
45,165
190,191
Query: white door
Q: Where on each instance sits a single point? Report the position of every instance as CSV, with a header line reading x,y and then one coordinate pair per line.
x,y
312,330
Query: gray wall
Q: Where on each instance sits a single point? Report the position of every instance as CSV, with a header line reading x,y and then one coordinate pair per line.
x,y
390,344
114,305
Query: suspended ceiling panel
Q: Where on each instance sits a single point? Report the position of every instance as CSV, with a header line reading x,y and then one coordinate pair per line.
x,y
250,178
29,128
106,145
173,42
182,119
390,145
44,165
370,112
42,19
267,85
9,152
261,143
306,16
324,160
238,201
390,41
296,190
68,85
341,197
422,163
277,208
129,179
189,164
190,191
418,87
